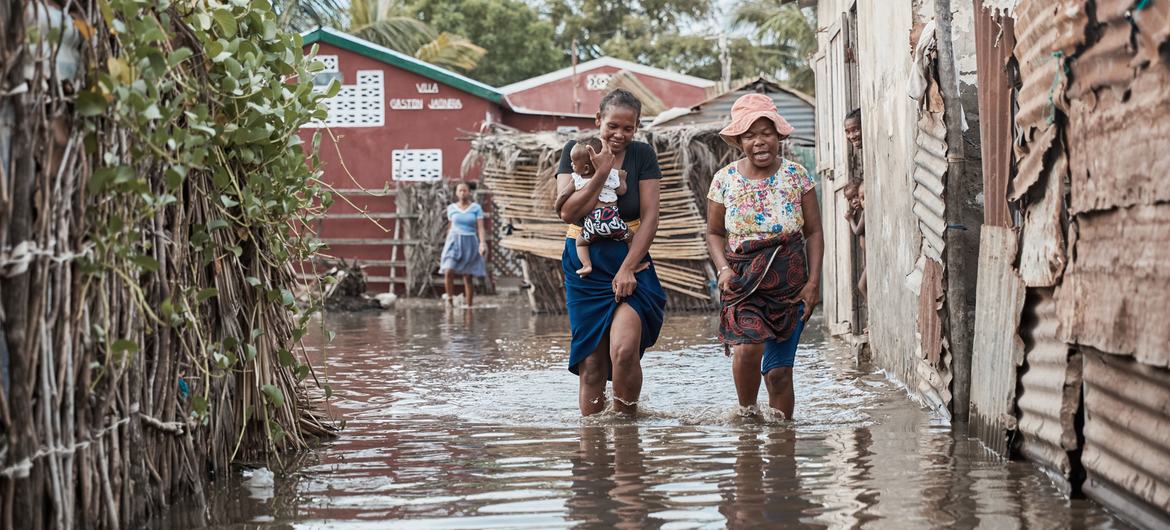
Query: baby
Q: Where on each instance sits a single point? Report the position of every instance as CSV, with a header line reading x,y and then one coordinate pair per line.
x,y
604,221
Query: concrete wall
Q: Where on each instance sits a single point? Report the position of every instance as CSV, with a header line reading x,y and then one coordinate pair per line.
x,y
892,236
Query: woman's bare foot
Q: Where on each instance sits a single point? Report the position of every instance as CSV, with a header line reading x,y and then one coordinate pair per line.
x,y
584,271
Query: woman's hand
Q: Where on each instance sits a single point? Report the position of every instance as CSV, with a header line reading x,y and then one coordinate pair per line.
x,y
483,248
602,161
624,282
725,277
810,296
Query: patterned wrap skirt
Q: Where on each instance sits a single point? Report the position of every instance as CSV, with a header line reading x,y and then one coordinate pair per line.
x,y
590,300
461,255
756,306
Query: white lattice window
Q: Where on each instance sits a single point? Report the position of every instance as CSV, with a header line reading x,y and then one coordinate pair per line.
x,y
597,81
359,105
331,72
417,164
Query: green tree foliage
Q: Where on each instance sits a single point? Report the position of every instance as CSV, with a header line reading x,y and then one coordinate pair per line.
x,y
604,27
787,32
661,33
388,23
519,43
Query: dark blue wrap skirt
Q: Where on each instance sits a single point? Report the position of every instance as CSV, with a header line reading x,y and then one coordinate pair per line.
x,y
591,303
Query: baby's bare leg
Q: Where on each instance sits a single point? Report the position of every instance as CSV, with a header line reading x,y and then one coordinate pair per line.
x,y
583,255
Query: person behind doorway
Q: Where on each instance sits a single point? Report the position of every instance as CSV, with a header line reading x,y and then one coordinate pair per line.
x,y
854,193
853,129
465,247
604,221
615,312
764,236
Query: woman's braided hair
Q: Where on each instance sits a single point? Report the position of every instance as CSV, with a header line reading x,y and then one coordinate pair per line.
x,y
621,98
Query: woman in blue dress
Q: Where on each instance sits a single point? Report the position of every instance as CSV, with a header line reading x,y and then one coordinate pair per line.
x,y
616,311
465,247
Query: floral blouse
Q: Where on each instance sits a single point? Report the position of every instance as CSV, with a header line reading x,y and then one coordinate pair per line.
x,y
761,209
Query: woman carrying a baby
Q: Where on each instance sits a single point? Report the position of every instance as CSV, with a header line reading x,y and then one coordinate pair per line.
x,y
614,300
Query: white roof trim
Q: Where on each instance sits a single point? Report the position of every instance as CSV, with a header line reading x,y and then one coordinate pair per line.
x,y
525,110
606,61
403,56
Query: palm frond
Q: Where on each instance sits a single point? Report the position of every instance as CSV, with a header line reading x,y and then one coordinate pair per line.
x,y
451,51
401,34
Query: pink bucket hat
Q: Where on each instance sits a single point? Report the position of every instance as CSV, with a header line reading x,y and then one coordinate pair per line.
x,y
746,110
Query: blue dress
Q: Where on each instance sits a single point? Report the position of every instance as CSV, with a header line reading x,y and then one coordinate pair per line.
x,y
461,250
590,300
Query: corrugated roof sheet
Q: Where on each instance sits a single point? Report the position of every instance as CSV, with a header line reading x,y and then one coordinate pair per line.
x,y
1118,131
994,43
1115,291
1127,416
1050,387
797,108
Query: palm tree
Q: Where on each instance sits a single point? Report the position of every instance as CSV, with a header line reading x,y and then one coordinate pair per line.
x,y
303,15
790,34
387,23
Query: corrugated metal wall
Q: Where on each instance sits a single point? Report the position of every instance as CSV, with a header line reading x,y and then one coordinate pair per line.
x,y
1050,390
930,168
1091,131
1126,421
995,40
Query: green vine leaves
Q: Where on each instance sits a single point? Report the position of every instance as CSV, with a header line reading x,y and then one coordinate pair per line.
x,y
194,120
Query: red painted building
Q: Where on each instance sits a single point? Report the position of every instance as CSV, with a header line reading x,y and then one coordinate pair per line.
x,y
397,119
553,92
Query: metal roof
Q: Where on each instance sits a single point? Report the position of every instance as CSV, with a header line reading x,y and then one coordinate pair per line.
x,y
401,60
795,106
620,64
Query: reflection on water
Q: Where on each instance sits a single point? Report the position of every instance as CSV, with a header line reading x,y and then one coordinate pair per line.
x,y
468,419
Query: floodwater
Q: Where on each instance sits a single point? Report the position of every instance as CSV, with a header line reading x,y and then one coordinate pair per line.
x,y
468,419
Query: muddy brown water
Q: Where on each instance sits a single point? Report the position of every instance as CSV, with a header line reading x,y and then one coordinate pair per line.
x,y
468,419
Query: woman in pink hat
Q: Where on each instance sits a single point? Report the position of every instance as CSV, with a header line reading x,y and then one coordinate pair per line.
x,y
764,235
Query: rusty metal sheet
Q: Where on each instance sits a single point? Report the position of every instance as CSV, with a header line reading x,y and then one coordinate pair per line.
x,y
1106,63
932,369
994,45
1042,246
1153,29
1072,18
1050,388
1032,162
1115,290
998,350
1127,416
1036,34
930,168
929,304
1117,146
1000,7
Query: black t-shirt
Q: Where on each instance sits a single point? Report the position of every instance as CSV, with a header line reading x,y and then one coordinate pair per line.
x,y
641,163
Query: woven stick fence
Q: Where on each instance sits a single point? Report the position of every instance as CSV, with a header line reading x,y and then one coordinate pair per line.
x,y
149,333
520,169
